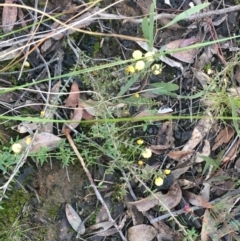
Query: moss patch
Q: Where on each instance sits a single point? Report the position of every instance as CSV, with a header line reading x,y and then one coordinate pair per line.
x,y
12,207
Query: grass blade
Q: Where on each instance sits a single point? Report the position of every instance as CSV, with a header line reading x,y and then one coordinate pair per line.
x,y
187,13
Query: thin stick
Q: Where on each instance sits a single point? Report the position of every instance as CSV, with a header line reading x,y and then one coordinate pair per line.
x,y
99,197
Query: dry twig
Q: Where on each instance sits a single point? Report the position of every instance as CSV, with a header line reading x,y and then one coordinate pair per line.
x,y
99,197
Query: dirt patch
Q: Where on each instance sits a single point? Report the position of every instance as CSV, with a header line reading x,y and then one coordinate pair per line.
x,y
54,188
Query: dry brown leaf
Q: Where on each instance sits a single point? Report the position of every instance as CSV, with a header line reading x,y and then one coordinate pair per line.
x,y
237,74
21,18
9,17
46,45
199,132
186,184
203,78
9,53
223,137
170,200
179,155
178,172
205,57
141,232
205,152
205,192
42,140
26,127
196,200
186,56
74,219
76,116
208,225
165,134
73,97
232,153
86,115
103,226
158,149
87,107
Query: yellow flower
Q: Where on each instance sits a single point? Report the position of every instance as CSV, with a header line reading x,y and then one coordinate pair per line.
x,y
140,65
42,113
28,140
156,69
130,69
149,56
26,64
137,54
167,171
136,95
16,148
158,181
140,163
140,141
147,153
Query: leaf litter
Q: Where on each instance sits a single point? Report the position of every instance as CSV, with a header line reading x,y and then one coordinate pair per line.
x,y
194,161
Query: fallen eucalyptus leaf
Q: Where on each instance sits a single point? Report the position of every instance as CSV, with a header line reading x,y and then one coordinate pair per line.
x,y
42,140
141,232
196,200
9,16
74,219
170,200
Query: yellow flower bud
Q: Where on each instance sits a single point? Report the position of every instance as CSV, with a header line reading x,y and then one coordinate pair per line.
x,y
130,69
137,54
136,95
156,69
140,141
149,56
167,171
28,140
158,181
139,65
16,148
140,163
26,64
42,113
147,153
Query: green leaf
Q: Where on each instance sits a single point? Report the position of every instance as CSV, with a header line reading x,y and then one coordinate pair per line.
x,y
165,86
195,96
163,89
211,162
186,14
234,115
151,24
145,28
148,26
127,86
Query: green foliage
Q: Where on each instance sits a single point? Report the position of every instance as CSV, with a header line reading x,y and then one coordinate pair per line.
x,y
191,235
187,13
148,26
211,162
7,159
